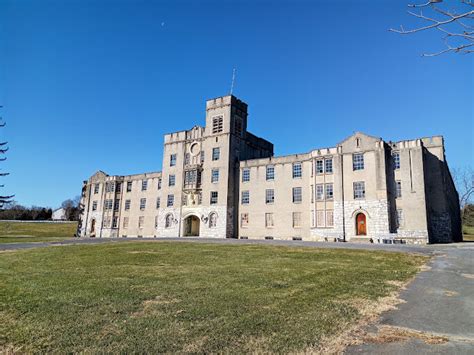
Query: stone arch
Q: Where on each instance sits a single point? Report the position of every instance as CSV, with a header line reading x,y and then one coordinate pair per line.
x,y
360,210
191,225
92,230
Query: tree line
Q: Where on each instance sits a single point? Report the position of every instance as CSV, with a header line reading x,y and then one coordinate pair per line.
x,y
14,211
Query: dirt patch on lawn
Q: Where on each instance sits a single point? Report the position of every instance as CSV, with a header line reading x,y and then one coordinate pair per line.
x,y
389,334
150,306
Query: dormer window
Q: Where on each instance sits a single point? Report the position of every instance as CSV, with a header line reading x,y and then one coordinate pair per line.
x,y
217,124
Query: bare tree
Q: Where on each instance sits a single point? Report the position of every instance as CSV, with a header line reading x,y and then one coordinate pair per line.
x,y
454,21
4,199
464,180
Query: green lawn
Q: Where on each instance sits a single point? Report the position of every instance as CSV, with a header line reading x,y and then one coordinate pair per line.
x,y
186,297
468,233
23,232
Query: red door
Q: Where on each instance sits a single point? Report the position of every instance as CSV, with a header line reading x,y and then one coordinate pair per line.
x,y
361,225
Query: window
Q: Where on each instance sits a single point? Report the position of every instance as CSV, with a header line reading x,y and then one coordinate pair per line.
x,y
96,188
245,175
127,205
159,183
118,187
396,160
108,204
329,218
329,192
244,220
191,178
296,219
398,188
156,222
269,220
125,222
312,194
319,166
270,172
217,124
172,180
297,195
297,173
170,201
106,222
94,206
216,153
109,187
199,198
116,205
158,202
212,220
358,161
319,192
115,222
215,175
245,198
269,196
129,186
169,220
399,217
144,185
359,190
187,159
172,159
202,156
328,166
141,221
214,197
320,219
142,204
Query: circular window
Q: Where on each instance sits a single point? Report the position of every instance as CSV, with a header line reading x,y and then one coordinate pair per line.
x,y
194,149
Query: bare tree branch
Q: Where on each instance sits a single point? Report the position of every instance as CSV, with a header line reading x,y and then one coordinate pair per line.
x,y
447,21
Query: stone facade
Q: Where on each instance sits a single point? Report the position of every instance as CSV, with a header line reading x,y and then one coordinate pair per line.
x,y
221,181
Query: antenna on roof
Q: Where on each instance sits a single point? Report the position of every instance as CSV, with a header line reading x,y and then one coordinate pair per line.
x,y
233,80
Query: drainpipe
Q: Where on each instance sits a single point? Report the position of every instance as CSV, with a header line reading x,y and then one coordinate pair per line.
x,y
342,194
182,182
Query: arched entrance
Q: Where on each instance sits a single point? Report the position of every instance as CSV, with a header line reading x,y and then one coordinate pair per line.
x,y
361,224
92,234
191,226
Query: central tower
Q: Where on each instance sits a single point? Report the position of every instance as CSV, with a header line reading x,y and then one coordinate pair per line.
x,y
201,174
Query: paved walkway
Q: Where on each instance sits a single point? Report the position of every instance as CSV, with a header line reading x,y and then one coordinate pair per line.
x,y
292,243
440,301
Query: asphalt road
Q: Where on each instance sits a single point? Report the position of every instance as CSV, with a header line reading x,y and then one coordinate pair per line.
x,y
293,243
440,302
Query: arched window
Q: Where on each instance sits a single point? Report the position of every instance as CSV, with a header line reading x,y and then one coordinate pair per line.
x,y
212,220
169,220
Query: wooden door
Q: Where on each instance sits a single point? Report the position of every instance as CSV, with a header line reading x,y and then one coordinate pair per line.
x,y
361,225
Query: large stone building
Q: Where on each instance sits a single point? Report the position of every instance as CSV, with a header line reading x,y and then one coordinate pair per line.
x,y
221,181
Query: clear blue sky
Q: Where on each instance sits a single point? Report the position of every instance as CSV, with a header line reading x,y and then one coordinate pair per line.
x,y
90,85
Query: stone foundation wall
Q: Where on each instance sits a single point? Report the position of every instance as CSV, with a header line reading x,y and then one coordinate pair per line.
x,y
440,227
377,217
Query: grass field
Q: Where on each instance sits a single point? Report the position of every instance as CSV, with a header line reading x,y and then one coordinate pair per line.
x,y
186,297
468,233
24,232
